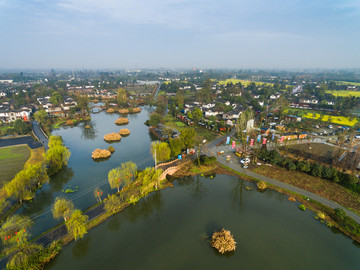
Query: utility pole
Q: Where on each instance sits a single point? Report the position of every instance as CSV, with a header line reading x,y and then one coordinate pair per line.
x,y
155,159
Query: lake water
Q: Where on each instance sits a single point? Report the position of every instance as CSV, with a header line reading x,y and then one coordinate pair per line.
x,y
83,171
168,230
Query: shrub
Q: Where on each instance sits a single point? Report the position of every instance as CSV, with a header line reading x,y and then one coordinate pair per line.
x,y
261,185
340,213
122,121
316,170
112,137
111,149
223,241
321,215
124,132
303,166
100,153
302,207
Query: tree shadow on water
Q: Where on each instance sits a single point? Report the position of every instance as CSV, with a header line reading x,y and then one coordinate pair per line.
x,y
114,223
81,248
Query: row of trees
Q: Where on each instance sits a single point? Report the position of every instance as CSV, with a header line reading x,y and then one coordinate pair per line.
x,y
75,221
26,182
14,233
350,181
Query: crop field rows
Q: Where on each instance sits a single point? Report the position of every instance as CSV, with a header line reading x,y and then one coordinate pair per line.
x,y
12,160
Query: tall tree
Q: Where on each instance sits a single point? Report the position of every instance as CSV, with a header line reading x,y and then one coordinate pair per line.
x,y
76,225
40,116
56,98
188,137
122,98
176,145
83,103
122,175
57,156
62,208
20,126
162,150
14,233
98,193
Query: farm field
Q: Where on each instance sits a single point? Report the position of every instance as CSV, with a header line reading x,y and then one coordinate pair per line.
x,y
12,160
343,93
348,83
339,120
243,82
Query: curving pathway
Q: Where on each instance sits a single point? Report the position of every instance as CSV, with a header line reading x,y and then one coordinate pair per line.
x,y
40,134
211,149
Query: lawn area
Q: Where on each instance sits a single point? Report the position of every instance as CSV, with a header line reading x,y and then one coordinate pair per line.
x,y
339,120
343,93
322,187
12,160
36,155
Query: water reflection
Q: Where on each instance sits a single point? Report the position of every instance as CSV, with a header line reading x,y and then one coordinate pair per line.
x,y
236,193
60,179
145,207
81,247
114,223
197,189
88,130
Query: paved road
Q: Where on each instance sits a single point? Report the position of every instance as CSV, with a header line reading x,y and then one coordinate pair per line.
x,y
20,140
39,134
212,149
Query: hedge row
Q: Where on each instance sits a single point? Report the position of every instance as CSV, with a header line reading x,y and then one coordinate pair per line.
x,y
349,181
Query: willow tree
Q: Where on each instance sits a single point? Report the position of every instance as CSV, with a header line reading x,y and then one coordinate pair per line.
x,y
149,177
62,208
76,225
162,151
14,233
57,156
122,175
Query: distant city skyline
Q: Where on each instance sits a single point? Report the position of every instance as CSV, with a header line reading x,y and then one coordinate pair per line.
x,y
235,34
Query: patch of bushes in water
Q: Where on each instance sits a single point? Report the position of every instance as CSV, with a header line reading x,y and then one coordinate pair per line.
x,y
302,207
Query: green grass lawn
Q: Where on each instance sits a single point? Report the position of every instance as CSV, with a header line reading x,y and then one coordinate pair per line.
x,y
12,160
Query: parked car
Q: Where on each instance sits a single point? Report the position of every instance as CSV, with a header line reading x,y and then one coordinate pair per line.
x,y
245,160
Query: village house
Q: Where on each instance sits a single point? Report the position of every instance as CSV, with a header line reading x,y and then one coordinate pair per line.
x,y
233,114
292,118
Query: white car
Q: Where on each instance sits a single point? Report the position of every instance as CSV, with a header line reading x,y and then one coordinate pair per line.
x,y
245,160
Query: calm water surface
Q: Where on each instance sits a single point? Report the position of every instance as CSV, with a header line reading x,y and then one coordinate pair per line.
x,y
168,229
83,171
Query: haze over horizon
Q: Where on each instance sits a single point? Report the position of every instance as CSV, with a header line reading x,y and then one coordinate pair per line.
x,y
66,34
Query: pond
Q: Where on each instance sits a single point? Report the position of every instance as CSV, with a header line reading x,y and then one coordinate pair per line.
x,y
169,229
83,173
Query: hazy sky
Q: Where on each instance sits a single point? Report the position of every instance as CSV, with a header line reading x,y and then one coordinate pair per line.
x,y
179,33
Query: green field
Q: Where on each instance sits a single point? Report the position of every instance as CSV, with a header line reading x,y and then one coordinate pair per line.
x,y
339,120
348,83
344,93
12,160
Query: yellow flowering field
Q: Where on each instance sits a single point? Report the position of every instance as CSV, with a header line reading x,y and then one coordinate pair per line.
x,y
339,120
